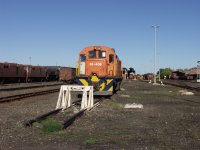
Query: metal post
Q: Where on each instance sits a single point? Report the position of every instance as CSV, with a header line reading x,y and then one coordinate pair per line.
x,y
158,63
198,71
159,74
30,60
155,30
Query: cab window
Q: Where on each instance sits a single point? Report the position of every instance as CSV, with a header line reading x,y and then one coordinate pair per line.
x,y
111,58
92,54
82,57
102,54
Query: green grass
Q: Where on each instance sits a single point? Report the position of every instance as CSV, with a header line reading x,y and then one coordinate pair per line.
x,y
90,141
19,125
111,132
115,105
51,126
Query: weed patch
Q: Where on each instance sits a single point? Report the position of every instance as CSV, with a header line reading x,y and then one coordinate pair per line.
x,y
90,141
51,126
115,105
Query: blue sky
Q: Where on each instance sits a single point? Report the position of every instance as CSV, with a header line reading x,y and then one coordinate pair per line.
x,y
52,32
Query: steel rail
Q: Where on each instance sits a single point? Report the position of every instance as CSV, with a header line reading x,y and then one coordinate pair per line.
x,y
69,121
44,116
40,118
21,96
29,87
182,86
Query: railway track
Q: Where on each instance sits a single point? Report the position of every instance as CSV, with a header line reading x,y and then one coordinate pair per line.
x,y
68,121
29,87
182,84
65,124
31,94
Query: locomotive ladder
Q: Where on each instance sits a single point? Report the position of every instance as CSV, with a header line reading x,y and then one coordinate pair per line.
x,y
64,99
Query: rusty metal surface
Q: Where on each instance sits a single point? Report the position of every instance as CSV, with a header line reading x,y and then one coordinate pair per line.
x,y
12,73
37,71
12,70
66,73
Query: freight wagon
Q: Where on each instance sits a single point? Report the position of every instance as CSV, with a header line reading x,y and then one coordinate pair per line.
x,y
35,73
67,74
12,72
52,73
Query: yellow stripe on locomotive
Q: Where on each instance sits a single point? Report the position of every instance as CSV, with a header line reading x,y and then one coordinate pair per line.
x,y
102,86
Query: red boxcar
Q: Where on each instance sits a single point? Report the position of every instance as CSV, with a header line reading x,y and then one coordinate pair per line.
x,y
67,74
36,73
12,72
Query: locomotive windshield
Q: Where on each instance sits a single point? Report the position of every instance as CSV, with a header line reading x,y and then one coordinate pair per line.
x,y
102,54
92,54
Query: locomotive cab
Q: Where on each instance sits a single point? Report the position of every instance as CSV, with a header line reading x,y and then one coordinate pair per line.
x,y
99,66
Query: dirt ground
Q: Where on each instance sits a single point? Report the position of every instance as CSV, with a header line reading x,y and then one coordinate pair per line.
x,y
168,120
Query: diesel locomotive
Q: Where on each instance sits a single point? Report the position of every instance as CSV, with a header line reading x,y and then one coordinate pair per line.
x,y
100,67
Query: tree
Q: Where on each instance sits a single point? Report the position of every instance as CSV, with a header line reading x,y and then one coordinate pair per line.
x,y
165,72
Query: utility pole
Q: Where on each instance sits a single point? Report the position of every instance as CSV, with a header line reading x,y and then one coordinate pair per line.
x,y
30,60
198,71
155,32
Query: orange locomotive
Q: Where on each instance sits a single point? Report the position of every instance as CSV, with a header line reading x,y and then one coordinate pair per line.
x,y
99,66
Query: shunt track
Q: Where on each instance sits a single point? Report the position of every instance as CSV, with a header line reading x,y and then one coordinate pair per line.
x,y
67,122
181,84
29,94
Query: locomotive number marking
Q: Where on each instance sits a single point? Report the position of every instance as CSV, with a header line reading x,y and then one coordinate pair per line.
x,y
96,64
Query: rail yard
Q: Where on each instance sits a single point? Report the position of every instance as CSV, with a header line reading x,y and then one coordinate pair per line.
x,y
99,75
99,106
167,119
16,92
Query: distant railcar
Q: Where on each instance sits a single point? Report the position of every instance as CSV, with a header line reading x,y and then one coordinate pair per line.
x,y
67,74
52,73
131,73
178,75
148,76
35,73
12,72
100,67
